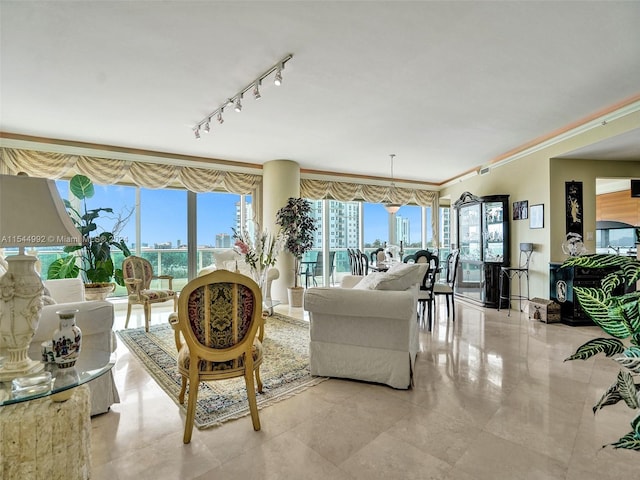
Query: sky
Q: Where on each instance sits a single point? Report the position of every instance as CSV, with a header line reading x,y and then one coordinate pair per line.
x,y
164,215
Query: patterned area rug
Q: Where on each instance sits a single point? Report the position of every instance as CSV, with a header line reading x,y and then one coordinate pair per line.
x,y
284,371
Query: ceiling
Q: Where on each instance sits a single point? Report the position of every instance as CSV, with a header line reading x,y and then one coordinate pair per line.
x,y
446,86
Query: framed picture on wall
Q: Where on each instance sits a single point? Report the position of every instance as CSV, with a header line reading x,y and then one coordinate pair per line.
x,y
521,210
573,194
536,217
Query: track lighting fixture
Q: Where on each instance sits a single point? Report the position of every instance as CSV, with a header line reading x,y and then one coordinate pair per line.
x,y
236,100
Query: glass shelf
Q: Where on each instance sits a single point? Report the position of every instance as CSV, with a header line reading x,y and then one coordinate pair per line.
x,y
90,364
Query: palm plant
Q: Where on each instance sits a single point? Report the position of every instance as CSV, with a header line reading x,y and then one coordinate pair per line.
x,y
298,226
618,316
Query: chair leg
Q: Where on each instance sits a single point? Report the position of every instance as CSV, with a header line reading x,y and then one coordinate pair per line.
x,y
258,380
453,307
191,407
126,323
251,396
147,316
183,390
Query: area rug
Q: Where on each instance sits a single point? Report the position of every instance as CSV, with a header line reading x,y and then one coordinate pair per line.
x,y
284,371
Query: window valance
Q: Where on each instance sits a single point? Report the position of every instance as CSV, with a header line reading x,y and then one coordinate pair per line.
x,y
111,171
347,192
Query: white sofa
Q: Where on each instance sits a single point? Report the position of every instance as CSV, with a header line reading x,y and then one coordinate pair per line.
x,y
95,319
364,334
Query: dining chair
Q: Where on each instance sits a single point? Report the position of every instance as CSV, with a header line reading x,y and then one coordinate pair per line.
x,y
138,274
374,255
446,288
426,298
362,262
317,270
218,332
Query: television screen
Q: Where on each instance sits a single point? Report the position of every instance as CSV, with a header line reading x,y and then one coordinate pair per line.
x,y
635,188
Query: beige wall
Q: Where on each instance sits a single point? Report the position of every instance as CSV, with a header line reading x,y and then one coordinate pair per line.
x,y
539,178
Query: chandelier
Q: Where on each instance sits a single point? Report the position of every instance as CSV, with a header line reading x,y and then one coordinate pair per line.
x,y
392,206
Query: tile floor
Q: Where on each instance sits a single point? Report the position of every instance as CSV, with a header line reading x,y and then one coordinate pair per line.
x,y
492,400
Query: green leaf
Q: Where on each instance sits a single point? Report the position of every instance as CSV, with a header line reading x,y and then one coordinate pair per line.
x,y
64,267
610,397
630,359
627,389
630,441
81,186
608,346
596,304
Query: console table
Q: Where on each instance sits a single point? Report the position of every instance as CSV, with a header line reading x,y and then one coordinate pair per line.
x,y
47,435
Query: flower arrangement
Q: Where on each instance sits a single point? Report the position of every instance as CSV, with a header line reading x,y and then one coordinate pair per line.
x,y
260,250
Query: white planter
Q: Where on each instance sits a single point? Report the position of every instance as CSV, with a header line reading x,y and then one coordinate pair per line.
x,y
295,295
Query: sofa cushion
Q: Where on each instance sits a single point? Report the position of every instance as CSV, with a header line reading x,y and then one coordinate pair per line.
x,y
400,276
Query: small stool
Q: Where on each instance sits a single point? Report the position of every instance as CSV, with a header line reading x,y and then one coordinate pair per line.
x,y
507,274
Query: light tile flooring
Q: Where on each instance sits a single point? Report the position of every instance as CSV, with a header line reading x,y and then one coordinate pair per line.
x,y
493,399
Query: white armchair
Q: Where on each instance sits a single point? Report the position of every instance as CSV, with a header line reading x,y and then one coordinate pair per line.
x,y
364,334
95,319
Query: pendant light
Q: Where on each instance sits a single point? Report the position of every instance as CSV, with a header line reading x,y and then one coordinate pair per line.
x,y
392,206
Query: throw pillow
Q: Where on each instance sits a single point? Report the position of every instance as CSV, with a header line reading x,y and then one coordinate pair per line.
x,y
369,282
402,276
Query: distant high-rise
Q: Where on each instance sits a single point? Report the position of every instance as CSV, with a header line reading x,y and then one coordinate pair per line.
x,y
344,220
223,240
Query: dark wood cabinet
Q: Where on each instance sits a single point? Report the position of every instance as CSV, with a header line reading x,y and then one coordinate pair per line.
x,y
561,284
483,241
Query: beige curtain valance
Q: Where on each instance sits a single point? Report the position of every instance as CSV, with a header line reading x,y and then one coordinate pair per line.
x,y
111,171
347,192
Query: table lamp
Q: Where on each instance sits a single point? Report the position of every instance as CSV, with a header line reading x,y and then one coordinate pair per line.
x,y
32,214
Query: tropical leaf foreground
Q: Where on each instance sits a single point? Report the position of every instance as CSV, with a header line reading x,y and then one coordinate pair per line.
x,y
616,310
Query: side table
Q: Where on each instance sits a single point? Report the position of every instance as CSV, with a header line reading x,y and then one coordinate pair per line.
x,y
44,439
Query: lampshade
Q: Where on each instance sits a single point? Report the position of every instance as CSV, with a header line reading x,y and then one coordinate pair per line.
x,y
32,214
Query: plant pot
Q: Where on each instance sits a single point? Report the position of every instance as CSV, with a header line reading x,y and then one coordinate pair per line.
x,y
98,291
295,295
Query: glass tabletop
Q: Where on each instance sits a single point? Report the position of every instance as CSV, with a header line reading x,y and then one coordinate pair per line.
x,y
91,364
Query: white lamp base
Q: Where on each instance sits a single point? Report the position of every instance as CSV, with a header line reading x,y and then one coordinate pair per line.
x,y
20,306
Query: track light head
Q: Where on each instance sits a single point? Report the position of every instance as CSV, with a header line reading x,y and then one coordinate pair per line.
x,y
220,119
207,127
278,78
196,132
256,90
237,106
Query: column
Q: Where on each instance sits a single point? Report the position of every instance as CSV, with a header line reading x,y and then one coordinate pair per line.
x,y
280,181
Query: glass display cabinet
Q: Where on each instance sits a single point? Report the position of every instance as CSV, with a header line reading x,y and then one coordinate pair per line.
x,y
483,240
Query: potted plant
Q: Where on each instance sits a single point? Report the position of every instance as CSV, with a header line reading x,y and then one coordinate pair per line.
x,y
297,226
95,263
616,311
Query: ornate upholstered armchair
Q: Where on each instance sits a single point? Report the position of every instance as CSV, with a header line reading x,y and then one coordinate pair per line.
x,y
220,320
138,273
